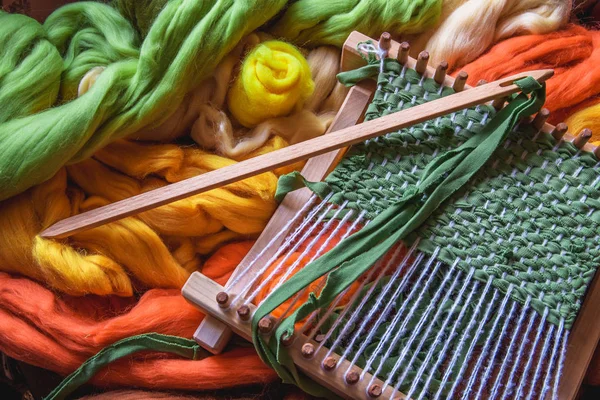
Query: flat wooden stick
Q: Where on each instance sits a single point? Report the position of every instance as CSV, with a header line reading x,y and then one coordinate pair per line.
x,y
289,155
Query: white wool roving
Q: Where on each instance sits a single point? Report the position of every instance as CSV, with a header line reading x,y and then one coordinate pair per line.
x,y
474,25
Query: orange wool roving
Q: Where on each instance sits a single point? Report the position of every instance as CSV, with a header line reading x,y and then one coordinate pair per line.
x,y
573,52
60,332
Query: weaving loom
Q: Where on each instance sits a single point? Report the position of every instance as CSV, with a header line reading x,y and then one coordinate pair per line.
x,y
483,299
421,305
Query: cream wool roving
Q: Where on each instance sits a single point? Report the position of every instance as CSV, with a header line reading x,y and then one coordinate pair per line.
x,y
474,25
132,92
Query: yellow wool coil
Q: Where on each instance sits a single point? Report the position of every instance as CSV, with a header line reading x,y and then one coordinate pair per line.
x,y
274,80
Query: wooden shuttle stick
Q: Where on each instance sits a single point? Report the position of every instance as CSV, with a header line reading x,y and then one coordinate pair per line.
x,y
289,155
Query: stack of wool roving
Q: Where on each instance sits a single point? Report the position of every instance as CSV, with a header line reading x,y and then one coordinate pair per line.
x,y
105,101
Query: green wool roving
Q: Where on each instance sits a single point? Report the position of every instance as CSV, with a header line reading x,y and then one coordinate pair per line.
x,y
30,67
317,22
141,13
183,46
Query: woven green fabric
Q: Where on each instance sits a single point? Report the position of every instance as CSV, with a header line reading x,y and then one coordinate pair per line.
x,y
533,212
412,205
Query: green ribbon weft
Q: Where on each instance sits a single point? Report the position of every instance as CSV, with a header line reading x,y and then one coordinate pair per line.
x,y
150,341
354,255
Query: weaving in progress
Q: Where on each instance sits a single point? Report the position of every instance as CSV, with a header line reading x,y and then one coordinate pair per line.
x,y
382,287
299,199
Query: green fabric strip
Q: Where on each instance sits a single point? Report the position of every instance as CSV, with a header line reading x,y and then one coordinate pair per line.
x,y
150,341
357,253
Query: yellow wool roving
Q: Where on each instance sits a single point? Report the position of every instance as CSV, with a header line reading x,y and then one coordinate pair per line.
x,y
274,80
587,118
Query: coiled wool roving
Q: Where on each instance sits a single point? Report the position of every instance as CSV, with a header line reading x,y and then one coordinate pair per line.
x,y
274,80
132,92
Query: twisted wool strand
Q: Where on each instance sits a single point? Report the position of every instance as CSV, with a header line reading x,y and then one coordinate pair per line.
x,y
140,87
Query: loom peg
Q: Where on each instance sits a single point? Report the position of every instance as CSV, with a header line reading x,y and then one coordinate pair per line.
x,y
422,61
403,53
222,299
583,137
540,118
287,340
308,350
559,131
440,72
460,81
265,325
329,363
244,312
385,43
352,378
319,337
597,151
374,390
499,103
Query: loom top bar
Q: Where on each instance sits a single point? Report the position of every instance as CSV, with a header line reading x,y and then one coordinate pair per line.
x,y
289,155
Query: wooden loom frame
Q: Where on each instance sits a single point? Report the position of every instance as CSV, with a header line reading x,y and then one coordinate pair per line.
x,y
216,328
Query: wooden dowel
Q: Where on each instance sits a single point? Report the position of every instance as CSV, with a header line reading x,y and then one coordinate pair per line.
x,y
291,154
385,43
580,140
403,52
440,72
422,61
540,118
460,81
559,131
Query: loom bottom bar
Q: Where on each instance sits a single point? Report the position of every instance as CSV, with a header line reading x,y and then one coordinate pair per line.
x,y
202,291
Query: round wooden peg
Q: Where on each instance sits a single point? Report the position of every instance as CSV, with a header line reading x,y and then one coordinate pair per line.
x,y
440,72
460,81
583,137
329,363
385,42
403,52
422,61
374,390
222,299
265,325
244,312
540,118
352,377
287,340
559,131
308,350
